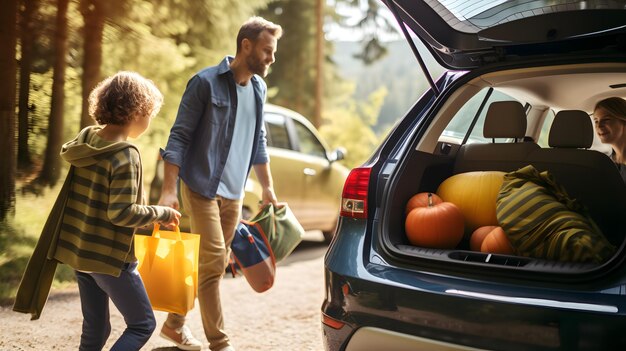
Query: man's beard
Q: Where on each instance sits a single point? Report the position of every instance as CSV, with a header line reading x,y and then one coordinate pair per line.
x,y
256,66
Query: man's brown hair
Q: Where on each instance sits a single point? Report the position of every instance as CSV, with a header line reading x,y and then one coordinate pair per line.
x,y
254,26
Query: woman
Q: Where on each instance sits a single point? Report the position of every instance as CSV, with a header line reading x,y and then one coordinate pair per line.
x,y
609,117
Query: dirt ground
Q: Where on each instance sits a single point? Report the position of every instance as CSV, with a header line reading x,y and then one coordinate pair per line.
x,y
287,317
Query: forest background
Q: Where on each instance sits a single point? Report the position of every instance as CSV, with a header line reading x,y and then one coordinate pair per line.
x,y
340,63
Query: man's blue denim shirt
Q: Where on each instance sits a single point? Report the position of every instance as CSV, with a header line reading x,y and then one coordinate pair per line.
x,y
201,136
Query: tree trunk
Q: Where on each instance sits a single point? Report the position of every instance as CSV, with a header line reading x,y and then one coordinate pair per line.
x,y
52,162
319,63
93,15
27,41
8,68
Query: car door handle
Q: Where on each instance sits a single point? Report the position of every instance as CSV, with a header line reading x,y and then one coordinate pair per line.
x,y
309,171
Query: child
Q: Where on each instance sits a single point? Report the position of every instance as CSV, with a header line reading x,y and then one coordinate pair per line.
x,y
103,205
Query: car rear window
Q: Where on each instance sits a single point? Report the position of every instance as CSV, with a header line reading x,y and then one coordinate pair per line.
x,y
462,120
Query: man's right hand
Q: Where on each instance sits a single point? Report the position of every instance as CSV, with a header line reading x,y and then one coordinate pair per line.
x,y
170,199
169,193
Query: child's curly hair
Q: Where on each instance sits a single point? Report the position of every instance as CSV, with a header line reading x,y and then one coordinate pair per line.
x,y
122,97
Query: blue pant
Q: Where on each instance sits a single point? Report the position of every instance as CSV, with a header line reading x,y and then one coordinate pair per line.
x,y
129,296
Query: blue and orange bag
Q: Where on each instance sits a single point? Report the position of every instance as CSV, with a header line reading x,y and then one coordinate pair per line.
x,y
251,252
263,241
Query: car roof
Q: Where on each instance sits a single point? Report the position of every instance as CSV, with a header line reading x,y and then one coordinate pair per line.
x,y
472,33
285,111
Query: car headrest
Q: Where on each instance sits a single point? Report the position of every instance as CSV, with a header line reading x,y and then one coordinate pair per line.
x,y
505,119
571,129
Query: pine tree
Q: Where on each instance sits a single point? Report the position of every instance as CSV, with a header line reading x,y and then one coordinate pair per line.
x,y
8,68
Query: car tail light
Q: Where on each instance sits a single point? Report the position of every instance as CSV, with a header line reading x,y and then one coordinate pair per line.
x,y
354,196
331,322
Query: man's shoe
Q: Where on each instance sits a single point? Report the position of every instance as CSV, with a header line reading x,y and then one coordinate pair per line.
x,y
182,337
227,348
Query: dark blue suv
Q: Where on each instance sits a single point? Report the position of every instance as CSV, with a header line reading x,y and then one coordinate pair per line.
x,y
523,79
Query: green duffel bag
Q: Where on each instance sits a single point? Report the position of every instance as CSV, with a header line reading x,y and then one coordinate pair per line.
x,y
281,227
542,221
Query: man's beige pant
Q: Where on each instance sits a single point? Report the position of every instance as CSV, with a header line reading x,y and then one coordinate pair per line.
x,y
215,220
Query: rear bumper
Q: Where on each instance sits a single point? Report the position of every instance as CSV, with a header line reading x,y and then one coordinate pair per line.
x,y
369,338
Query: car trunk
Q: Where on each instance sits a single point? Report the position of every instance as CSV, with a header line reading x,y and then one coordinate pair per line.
x,y
420,171
423,172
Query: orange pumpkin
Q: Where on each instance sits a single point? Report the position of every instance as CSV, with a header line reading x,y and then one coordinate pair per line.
x,y
421,200
437,226
475,193
478,236
497,242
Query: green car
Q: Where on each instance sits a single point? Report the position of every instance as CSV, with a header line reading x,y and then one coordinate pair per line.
x,y
306,173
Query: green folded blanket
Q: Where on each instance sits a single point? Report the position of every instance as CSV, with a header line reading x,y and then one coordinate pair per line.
x,y
542,221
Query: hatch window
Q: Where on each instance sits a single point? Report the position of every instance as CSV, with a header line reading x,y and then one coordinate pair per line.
x,y
461,122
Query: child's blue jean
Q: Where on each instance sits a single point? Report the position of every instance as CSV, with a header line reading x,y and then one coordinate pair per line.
x,y
129,296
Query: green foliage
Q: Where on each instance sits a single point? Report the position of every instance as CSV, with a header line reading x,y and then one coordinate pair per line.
x,y
372,25
408,82
208,26
41,86
349,125
293,73
164,61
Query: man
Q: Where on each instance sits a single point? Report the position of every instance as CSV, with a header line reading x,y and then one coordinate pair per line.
x,y
217,137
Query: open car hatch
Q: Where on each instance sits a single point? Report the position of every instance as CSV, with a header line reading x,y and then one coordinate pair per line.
x,y
471,33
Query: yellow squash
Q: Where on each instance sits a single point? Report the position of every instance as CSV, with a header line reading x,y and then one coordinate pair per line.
x,y
475,194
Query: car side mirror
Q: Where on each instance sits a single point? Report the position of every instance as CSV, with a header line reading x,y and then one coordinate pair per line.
x,y
338,154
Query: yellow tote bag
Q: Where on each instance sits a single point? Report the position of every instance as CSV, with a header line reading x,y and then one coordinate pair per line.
x,y
168,265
